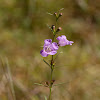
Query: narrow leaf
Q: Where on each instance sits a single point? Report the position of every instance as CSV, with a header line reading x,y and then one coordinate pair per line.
x,y
38,84
46,62
49,27
49,13
61,9
60,84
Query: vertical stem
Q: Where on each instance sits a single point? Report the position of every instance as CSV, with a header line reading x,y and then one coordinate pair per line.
x,y
52,67
50,87
50,94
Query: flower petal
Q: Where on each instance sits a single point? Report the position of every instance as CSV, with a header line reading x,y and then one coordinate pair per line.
x,y
63,41
70,42
55,46
47,41
52,52
43,53
58,38
63,36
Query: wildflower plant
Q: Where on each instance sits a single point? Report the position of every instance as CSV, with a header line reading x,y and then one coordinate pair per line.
x,y
50,48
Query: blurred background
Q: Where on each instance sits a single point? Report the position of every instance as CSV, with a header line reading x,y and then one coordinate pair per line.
x,y
23,28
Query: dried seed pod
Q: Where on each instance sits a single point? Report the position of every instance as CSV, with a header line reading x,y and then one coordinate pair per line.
x,y
52,82
46,83
59,29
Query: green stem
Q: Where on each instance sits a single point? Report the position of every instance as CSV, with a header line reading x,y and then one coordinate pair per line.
x,y
52,66
50,94
50,87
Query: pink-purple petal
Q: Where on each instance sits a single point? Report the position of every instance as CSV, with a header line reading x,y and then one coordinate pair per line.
x,y
55,46
70,42
63,36
63,41
43,53
58,38
47,41
52,52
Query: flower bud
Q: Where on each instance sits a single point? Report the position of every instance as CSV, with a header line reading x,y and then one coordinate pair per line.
x,y
60,14
59,29
55,14
53,27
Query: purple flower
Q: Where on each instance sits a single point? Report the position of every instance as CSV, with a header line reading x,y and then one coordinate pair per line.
x,y
49,48
63,41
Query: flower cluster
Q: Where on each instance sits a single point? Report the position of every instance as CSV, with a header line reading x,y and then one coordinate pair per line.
x,y
50,48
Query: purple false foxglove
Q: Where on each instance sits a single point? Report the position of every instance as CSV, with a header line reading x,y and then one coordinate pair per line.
x,y
49,48
63,41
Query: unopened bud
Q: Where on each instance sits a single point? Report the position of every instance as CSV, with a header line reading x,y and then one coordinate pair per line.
x,y
59,29
55,14
53,27
60,14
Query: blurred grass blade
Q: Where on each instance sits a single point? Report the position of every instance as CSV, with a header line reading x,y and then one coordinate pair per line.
x,y
45,97
21,87
10,88
10,79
